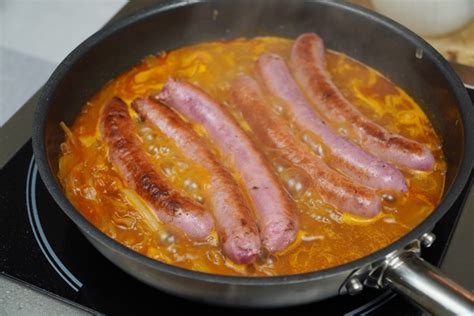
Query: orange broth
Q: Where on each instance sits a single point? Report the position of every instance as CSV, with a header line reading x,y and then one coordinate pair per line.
x,y
327,236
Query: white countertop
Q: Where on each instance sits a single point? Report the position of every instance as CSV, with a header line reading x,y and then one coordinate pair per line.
x,y
35,35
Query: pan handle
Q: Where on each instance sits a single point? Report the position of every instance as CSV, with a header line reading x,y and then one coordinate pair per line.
x,y
426,286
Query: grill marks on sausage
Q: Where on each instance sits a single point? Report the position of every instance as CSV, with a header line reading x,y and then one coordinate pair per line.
x,y
235,221
127,154
308,66
332,186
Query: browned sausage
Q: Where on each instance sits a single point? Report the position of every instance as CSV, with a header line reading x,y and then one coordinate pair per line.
x,y
333,187
235,222
127,154
308,65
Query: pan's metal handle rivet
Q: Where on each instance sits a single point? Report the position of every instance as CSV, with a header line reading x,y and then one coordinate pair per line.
x,y
427,239
354,286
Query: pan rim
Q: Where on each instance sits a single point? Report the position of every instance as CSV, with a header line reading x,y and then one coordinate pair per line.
x,y
54,188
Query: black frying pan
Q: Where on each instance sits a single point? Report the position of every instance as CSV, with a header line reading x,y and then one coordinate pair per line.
x,y
376,41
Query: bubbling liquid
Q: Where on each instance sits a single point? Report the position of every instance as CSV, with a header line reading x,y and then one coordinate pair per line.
x,y
328,237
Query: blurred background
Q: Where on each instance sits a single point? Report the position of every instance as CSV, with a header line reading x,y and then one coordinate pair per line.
x,y
35,35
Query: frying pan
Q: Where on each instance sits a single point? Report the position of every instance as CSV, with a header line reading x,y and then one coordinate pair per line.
x,y
376,41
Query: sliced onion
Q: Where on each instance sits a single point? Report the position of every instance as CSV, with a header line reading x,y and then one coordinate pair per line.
x,y
148,215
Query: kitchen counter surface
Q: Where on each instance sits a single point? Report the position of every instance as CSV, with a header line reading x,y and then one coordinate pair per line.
x,y
19,300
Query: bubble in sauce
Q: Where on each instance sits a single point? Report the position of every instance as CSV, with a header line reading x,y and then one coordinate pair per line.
x,y
164,150
153,149
343,131
182,165
280,164
150,137
296,181
314,202
312,141
167,168
336,216
167,238
320,218
279,108
172,249
318,149
388,197
200,199
190,185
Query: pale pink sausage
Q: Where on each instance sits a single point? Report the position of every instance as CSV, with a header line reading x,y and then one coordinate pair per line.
x,y
235,222
333,187
307,62
345,156
275,212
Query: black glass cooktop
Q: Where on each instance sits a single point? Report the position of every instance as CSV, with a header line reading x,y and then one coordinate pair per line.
x,y
42,247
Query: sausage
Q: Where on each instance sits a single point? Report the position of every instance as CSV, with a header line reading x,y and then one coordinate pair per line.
x,y
307,62
333,187
275,212
235,222
127,154
345,156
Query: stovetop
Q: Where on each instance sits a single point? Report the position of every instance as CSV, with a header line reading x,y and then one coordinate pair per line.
x,y
42,248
